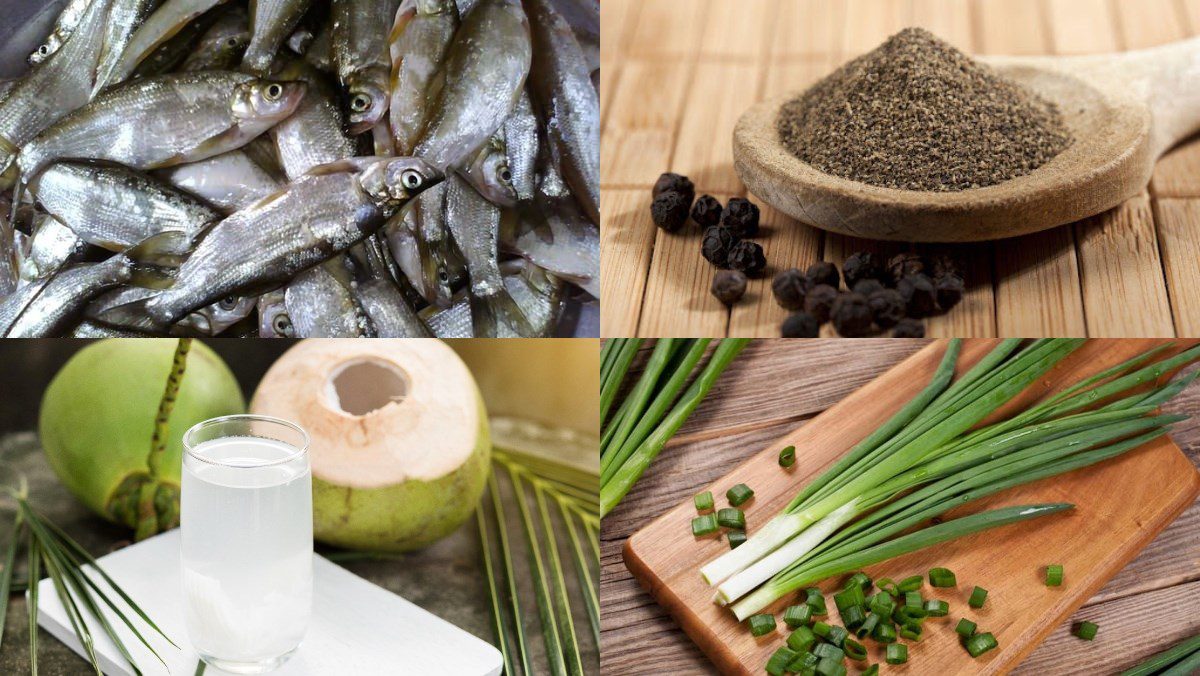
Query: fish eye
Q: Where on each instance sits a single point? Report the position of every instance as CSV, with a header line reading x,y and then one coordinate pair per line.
x,y
228,303
505,175
232,42
361,103
442,275
44,50
274,91
411,179
282,325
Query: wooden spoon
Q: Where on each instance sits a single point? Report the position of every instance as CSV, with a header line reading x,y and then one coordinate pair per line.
x,y
1124,111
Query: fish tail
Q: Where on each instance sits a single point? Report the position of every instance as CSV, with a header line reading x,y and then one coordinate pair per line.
x,y
133,315
165,250
489,313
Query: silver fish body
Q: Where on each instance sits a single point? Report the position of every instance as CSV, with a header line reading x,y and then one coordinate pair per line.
x,y
489,173
419,241
59,299
124,18
561,82
360,53
223,44
320,51
91,329
70,17
166,120
537,294
169,19
313,135
420,41
483,77
230,181
378,294
561,239
52,246
321,304
115,207
521,143
207,321
173,52
271,23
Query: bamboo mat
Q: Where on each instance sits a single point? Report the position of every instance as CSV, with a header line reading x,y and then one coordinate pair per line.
x,y
677,74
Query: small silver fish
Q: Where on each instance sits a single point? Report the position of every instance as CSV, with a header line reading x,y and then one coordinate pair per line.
x,y
230,181
271,24
166,21
419,241
378,294
321,303
64,26
52,246
522,144
360,52
313,135
211,320
489,174
222,45
419,43
47,307
124,18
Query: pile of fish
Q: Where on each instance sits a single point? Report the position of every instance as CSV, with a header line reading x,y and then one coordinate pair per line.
x,y
303,168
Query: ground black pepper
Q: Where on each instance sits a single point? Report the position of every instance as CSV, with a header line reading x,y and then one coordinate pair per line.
x,y
851,315
819,300
669,182
788,287
823,272
861,265
909,328
729,286
748,257
706,211
801,325
887,307
917,114
716,245
669,211
949,290
741,216
917,292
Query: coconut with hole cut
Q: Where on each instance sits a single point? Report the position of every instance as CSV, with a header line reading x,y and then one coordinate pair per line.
x,y
399,437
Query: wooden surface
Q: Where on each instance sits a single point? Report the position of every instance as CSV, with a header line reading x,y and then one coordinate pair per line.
x,y
765,394
676,82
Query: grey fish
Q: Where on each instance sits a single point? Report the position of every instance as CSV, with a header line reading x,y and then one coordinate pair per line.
x,y
539,295
230,181
320,51
208,321
321,304
10,251
483,77
378,294
124,18
360,53
266,245
64,26
559,237
167,120
273,319
272,21
115,207
223,44
170,54
560,80
90,329
52,246
313,134
489,174
521,143
584,18
47,307
419,43
169,19
54,88
420,244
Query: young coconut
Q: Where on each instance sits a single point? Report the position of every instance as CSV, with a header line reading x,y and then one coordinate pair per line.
x,y
399,437
98,418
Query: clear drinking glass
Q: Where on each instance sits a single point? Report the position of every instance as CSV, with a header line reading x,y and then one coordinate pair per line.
x,y
246,523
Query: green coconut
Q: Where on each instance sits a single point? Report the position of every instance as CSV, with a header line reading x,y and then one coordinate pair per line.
x,y
97,421
399,448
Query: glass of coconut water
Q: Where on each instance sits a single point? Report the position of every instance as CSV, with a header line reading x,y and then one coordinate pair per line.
x,y
246,523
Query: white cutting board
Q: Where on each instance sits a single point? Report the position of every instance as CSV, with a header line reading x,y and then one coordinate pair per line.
x,y
357,627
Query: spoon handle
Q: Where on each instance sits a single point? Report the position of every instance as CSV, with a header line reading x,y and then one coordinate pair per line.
x,y
1168,78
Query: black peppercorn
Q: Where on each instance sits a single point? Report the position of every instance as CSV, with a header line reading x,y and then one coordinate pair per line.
x,y
859,266
822,272
717,244
904,264
819,300
867,287
949,289
887,307
943,264
788,287
851,315
801,325
675,183
706,211
918,294
748,257
669,211
909,328
741,216
729,286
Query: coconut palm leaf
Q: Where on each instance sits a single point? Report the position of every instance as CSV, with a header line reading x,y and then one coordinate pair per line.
x,y
543,576
6,576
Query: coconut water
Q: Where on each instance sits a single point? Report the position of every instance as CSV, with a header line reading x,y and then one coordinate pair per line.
x,y
246,521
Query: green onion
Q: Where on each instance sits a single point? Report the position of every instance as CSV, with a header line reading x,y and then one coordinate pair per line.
x,y
787,457
855,650
837,635
704,501
1054,575
801,639
830,667
1175,657
731,517
852,596
829,650
911,631
864,630
739,494
942,577
822,629
872,670
897,653
780,659
978,596
980,644
1086,630
816,600
627,349
883,604
910,584
761,625
704,525
797,616
736,538
965,628
884,633
913,599
804,663
853,617
937,608
861,579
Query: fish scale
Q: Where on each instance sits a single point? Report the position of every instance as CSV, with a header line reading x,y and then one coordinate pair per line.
x,y
54,302
420,41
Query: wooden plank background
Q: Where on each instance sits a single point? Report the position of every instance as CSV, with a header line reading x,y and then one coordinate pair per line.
x,y
678,75
776,385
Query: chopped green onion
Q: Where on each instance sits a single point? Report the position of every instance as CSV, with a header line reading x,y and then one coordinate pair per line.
x,y
829,650
864,630
739,494
897,653
861,579
937,608
704,525
906,614
1054,575
884,633
855,650
801,639
797,616
830,667
913,599
853,617
761,625
872,670
883,603
942,577
815,599
780,659
731,517
704,501
978,596
1086,630
849,597
837,635
787,457
911,631
822,629
965,628
804,662
736,537
980,644
909,584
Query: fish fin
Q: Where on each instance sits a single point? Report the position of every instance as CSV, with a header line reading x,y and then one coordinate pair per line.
x,y
488,313
132,315
166,249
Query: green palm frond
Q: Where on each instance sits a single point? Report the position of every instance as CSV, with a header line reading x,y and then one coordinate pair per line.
x,y
535,556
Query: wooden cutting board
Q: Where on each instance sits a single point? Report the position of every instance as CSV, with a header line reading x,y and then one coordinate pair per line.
x,y
1121,505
